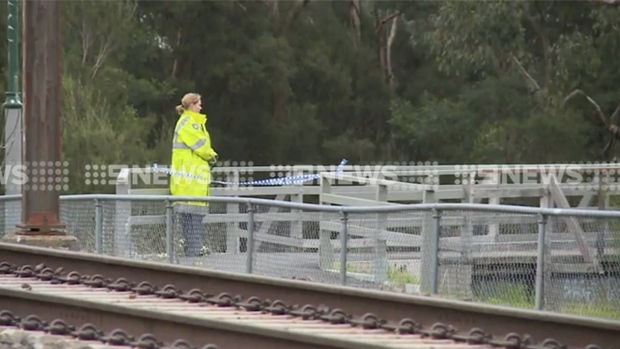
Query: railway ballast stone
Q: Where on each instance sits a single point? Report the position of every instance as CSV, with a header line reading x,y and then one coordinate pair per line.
x,y
11,338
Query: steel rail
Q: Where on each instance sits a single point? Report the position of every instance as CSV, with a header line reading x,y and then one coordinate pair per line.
x,y
269,325
573,331
249,325
58,333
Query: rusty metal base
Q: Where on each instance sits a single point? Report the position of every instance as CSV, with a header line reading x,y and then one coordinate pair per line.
x,y
42,224
61,242
28,230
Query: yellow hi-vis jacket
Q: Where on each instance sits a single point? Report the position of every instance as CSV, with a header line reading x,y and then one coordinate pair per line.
x,y
191,154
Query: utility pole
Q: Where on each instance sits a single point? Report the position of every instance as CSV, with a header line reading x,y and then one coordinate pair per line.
x,y
13,135
41,77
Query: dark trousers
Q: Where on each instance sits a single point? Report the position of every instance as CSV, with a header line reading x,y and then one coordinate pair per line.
x,y
193,233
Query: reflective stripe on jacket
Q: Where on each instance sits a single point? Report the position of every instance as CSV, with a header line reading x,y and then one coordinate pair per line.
x,y
191,153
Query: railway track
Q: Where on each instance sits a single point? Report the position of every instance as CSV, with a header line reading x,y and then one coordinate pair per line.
x,y
221,319
204,306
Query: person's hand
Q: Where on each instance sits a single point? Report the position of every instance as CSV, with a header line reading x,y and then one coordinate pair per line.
x,y
213,160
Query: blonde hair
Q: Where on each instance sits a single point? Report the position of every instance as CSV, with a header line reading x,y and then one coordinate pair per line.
x,y
186,101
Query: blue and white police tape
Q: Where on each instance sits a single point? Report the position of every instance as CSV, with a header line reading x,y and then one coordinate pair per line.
x,y
270,181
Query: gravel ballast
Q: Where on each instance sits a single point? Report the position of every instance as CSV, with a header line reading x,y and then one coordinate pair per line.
x,y
14,338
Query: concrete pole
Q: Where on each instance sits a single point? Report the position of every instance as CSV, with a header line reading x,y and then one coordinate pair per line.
x,y
13,135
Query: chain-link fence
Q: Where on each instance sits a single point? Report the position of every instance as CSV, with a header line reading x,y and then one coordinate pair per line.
x,y
559,260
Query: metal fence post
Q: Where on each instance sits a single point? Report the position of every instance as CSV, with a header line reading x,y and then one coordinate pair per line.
x,y
434,271
343,247
540,262
250,241
98,226
169,234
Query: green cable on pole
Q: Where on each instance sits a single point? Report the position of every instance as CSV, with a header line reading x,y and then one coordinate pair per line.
x,y
12,99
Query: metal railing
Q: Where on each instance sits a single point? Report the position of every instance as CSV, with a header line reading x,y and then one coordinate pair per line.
x,y
535,261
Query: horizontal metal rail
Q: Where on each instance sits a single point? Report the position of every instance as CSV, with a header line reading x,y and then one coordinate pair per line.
x,y
416,169
556,212
573,331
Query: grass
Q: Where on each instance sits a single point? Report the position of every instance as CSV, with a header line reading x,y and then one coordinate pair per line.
x,y
607,310
397,277
516,296
400,276
505,295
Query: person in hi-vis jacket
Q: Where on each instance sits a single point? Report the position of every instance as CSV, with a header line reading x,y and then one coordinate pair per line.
x,y
191,154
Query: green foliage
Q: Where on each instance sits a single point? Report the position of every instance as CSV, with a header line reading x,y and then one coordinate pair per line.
x,y
300,82
317,81
475,38
96,132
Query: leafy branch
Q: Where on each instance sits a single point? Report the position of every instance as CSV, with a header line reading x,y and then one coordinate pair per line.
x,y
609,122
